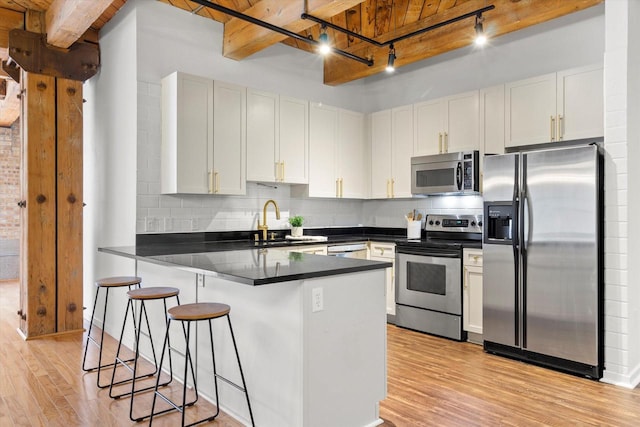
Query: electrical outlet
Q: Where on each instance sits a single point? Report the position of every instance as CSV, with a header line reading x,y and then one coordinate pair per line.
x,y
317,303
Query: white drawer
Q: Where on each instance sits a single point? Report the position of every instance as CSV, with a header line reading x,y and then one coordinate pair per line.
x,y
472,257
384,250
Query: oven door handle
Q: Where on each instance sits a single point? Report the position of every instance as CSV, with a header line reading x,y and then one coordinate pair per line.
x,y
425,253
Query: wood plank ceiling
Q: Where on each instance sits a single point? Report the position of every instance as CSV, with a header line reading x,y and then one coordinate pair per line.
x,y
381,20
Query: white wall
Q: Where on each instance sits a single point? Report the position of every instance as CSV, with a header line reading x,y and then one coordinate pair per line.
x,y
110,134
622,105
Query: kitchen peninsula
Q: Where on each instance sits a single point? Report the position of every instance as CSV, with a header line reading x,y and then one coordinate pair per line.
x,y
310,330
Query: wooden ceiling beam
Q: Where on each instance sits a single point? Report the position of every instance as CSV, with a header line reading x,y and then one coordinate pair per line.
x,y
68,20
242,38
9,20
508,16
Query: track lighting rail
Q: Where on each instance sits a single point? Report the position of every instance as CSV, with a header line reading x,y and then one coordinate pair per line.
x,y
477,12
277,29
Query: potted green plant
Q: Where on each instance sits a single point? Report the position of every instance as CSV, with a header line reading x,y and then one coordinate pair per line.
x,y
296,225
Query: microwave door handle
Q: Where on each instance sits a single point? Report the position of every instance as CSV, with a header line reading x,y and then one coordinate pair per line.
x,y
459,176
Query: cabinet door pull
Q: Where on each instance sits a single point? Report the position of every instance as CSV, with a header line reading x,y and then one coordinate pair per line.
x,y
341,188
440,142
216,181
560,127
446,142
337,187
282,172
388,192
392,188
210,181
552,129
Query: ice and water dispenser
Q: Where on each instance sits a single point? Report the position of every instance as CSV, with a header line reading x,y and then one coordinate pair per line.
x,y
499,222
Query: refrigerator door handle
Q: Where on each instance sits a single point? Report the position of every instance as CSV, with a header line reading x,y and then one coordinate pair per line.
x,y
524,238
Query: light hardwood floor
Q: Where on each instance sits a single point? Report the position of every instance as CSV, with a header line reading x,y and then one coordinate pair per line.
x,y
431,382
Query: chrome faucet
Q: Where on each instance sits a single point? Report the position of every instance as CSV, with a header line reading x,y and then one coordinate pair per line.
x,y
264,226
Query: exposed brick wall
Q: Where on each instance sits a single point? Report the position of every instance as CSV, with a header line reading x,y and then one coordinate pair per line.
x,y
10,182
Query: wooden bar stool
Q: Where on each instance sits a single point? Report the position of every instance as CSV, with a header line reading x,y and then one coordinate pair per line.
x,y
106,283
142,295
193,313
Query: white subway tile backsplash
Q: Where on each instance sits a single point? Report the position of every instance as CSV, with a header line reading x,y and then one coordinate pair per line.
x,y
148,201
615,261
616,309
617,341
615,198
616,293
616,324
616,148
616,102
615,277
167,201
616,356
615,245
616,118
616,213
615,229
615,135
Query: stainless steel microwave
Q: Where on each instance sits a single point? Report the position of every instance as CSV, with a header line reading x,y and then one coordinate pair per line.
x,y
451,173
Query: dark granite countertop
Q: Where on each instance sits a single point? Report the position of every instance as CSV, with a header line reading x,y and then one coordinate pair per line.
x,y
253,266
235,256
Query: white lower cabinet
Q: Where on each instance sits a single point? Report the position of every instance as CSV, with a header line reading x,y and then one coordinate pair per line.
x,y
472,291
386,252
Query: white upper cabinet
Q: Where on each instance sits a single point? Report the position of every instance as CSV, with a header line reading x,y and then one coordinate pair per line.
x,y
229,139
381,174
294,140
323,136
351,158
336,152
391,151
429,123
203,136
492,120
277,138
580,103
262,135
187,134
555,107
530,110
446,125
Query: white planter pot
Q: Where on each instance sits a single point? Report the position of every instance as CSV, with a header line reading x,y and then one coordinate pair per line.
x,y
296,231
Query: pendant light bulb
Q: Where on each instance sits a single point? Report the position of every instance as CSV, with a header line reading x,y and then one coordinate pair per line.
x,y
481,38
324,47
392,58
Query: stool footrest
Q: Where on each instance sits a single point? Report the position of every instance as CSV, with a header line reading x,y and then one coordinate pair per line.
x,y
231,383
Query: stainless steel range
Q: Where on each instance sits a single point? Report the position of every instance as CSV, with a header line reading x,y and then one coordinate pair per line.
x,y
429,275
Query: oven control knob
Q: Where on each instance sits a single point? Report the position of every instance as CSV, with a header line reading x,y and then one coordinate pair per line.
x,y
437,222
431,222
473,223
479,223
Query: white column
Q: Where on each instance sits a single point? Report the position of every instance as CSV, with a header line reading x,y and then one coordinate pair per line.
x,y
622,279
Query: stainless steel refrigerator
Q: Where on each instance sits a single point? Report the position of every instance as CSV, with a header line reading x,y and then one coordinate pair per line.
x,y
543,258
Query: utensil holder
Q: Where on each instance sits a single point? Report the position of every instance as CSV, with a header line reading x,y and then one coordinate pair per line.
x,y
414,229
